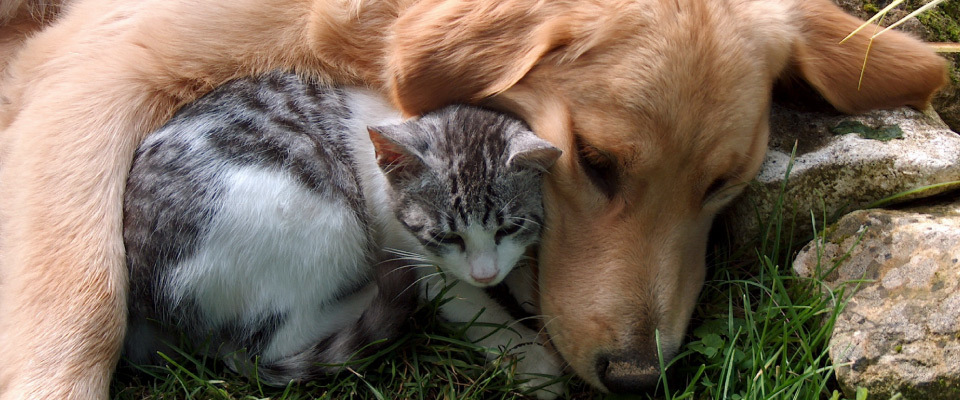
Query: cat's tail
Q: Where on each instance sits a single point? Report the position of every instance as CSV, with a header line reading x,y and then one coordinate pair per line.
x,y
394,302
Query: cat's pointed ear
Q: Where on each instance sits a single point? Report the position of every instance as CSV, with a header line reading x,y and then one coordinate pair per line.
x,y
529,151
392,155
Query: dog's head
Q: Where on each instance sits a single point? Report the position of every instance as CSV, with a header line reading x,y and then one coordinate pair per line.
x,y
660,108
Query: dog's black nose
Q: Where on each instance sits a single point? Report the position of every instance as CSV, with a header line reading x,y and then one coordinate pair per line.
x,y
627,374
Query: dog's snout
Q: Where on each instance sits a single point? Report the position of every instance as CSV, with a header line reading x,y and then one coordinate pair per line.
x,y
628,374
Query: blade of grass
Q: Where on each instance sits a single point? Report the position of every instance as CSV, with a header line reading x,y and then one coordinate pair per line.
x,y
893,198
916,12
880,14
945,47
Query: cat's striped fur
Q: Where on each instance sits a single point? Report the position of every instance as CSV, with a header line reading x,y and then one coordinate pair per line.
x,y
259,221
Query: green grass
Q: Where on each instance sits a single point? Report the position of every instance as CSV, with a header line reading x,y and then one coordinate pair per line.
x,y
760,332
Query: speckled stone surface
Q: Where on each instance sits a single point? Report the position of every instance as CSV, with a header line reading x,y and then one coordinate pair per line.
x,y
833,174
900,332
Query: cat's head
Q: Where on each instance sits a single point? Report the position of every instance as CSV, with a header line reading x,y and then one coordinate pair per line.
x,y
466,182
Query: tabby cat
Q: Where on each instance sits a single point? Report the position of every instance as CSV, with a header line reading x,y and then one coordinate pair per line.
x,y
271,221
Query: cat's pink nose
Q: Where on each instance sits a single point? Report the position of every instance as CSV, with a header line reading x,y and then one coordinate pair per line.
x,y
483,279
483,267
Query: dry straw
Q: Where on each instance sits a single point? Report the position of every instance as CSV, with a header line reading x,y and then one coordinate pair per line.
x,y
878,19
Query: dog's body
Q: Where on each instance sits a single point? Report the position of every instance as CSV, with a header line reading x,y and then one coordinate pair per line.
x,y
660,108
17,24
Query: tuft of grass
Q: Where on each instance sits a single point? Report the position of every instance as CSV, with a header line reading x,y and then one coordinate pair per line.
x,y
760,331
433,360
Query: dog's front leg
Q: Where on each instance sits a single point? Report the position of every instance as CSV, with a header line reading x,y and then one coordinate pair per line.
x,y
80,96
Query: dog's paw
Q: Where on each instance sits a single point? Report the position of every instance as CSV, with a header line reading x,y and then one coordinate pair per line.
x,y
541,368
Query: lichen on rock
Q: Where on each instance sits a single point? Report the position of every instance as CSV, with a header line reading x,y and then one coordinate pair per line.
x,y
900,331
835,173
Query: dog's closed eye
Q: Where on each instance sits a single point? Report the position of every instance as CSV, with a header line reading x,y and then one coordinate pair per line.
x,y
722,190
715,187
600,167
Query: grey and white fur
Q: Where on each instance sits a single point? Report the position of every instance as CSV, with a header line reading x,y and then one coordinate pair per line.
x,y
285,222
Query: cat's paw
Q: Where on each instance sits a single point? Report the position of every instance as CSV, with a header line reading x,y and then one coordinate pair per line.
x,y
541,368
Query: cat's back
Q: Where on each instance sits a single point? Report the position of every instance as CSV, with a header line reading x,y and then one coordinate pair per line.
x,y
233,206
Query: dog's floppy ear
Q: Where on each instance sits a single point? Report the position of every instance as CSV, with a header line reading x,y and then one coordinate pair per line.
x,y
900,70
444,51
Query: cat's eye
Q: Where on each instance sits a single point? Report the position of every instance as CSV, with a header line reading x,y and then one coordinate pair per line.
x,y
506,230
452,239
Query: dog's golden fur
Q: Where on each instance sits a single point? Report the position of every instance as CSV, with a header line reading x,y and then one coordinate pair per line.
x,y
18,21
660,108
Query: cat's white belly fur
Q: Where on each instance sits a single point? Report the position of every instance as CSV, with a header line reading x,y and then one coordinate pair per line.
x,y
275,247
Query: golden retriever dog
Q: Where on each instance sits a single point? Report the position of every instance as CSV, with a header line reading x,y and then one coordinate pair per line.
x,y
660,108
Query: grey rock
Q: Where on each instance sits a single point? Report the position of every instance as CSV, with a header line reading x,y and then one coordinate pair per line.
x,y
900,331
834,174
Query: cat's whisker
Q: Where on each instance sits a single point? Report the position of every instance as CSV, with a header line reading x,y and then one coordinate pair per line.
x,y
439,234
543,328
405,256
529,318
391,168
394,259
525,220
400,260
425,277
398,257
414,284
402,268
399,251
526,258
507,203
415,266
